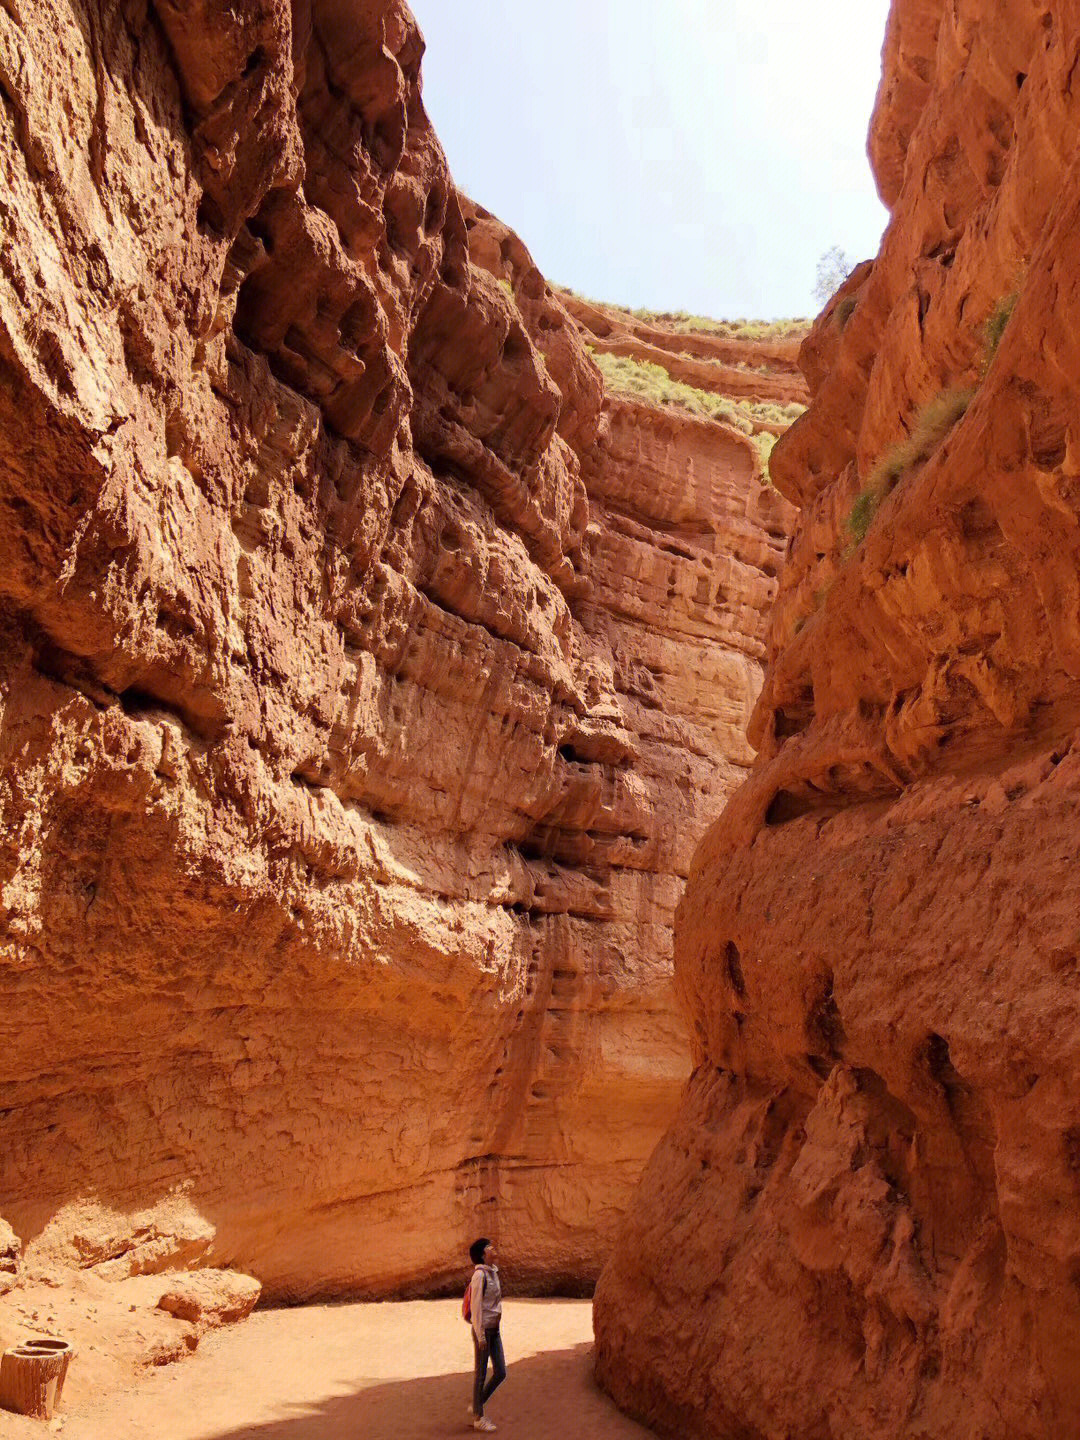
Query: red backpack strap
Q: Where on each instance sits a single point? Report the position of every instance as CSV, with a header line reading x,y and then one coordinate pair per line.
x,y
483,1288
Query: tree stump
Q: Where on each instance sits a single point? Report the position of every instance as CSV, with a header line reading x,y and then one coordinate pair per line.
x,y
32,1377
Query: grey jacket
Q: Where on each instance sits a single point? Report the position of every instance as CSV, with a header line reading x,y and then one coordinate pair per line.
x,y
485,1300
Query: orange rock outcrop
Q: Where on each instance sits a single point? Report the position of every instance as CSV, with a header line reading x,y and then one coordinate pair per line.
x,y
865,1220
367,679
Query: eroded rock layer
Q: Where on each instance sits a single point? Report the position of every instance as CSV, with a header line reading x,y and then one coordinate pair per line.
x,y
723,357
866,1218
365,686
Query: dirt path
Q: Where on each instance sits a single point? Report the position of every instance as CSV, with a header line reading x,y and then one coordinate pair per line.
x,y
368,1372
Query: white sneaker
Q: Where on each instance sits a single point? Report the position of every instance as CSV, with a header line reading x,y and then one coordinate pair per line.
x,y
483,1424
469,1410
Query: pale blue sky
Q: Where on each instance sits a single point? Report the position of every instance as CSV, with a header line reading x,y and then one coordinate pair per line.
x,y
681,154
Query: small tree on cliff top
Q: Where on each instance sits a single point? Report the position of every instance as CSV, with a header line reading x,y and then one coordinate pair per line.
x,y
832,270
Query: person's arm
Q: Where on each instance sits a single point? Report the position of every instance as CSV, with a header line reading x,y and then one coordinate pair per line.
x,y
476,1306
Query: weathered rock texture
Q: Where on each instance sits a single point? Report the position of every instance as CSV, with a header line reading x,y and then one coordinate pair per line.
x,y
365,688
866,1218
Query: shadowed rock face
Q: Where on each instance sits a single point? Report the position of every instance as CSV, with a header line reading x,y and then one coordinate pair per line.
x,y
865,1220
365,684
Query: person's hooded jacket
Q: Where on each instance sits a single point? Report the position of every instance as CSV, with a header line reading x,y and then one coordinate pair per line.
x,y
485,1300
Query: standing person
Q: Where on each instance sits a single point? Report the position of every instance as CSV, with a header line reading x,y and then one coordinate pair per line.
x,y
485,1315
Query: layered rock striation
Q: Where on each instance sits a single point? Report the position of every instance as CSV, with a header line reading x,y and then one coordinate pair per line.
x,y
367,680
865,1219
756,361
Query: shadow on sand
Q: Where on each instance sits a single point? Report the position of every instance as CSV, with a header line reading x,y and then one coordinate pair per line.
x,y
545,1397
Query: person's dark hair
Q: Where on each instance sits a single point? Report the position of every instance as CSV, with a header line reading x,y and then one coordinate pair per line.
x,y
476,1250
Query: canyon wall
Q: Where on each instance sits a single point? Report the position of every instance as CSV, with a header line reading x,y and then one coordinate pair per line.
x,y
865,1220
367,679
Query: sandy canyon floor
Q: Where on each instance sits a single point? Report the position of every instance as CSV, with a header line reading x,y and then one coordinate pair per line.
x,y
384,1372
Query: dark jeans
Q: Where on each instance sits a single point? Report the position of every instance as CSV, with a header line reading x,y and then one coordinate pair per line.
x,y
492,1351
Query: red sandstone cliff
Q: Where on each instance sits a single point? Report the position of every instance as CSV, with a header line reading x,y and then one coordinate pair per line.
x,y
866,1219
367,681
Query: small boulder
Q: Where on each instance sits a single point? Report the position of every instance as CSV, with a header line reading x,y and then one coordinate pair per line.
x,y
208,1298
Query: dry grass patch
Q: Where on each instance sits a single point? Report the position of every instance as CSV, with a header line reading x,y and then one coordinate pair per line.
x,y
995,326
649,381
845,310
733,329
934,422
682,320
